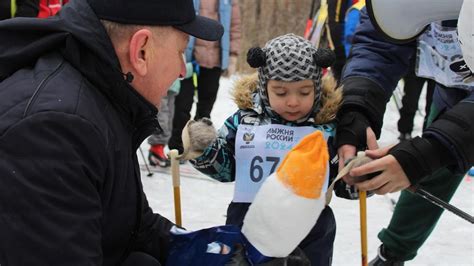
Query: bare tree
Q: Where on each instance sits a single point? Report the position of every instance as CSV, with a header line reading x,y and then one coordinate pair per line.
x,y
263,20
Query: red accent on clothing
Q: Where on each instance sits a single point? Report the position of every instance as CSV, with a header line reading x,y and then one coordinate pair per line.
x,y
49,8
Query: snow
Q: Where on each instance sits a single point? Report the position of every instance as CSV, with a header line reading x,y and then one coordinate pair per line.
x,y
204,203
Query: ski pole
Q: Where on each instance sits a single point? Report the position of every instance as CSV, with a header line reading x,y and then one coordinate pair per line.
x,y
176,190
440,203
146,164
363,225
309,22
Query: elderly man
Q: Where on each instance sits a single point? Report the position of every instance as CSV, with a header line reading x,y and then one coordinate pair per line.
x,y
79,94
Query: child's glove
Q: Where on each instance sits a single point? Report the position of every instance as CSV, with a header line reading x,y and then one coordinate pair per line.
x,y
296,258
197,136
345,191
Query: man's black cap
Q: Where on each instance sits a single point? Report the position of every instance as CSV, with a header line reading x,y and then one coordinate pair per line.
x,y
177,13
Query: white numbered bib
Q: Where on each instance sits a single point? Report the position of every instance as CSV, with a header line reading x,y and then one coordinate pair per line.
x,y
259,151
439,57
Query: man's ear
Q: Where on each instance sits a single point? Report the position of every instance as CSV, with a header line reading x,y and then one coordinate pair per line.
x,y
139,51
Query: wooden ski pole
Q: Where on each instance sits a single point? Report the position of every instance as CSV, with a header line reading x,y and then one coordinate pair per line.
x,y
363,225
176,183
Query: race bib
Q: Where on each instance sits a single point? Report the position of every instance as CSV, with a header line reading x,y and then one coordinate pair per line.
x,y
439,57
259,151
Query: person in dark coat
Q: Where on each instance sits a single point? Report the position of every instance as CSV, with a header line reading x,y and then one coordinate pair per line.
x,y
79,93
438,160
18,8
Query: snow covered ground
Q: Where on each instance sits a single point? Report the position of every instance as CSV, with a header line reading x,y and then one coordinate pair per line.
x,y
204,202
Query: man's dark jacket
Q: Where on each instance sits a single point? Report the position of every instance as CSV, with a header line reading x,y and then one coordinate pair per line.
x,y
70,125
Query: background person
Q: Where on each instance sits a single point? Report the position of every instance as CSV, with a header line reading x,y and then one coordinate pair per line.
x,y
157,155
412,88
18,8
211,58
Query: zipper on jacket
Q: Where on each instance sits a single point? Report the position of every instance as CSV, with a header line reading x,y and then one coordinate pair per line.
x,y
41,85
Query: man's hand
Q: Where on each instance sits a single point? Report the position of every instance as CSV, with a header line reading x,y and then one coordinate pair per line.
x,y
391,179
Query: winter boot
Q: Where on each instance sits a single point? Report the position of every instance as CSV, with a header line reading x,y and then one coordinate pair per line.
x,y
384,258
157,157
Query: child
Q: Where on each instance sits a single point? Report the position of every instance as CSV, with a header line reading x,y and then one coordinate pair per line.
x,y
276,109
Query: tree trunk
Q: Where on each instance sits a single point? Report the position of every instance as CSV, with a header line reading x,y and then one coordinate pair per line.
x,y
263,20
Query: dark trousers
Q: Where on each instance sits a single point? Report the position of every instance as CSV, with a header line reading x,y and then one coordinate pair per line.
x,y
408,230
208,85
317,245
412,89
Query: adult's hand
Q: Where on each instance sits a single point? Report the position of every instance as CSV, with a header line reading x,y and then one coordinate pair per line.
x,y
391,179
347,151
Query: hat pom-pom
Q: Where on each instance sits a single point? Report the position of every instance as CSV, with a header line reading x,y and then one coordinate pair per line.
x,y
324,57
256,57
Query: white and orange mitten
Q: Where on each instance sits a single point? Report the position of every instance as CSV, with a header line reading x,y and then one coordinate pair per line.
x,y
289,203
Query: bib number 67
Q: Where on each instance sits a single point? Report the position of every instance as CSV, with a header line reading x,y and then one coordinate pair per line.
x,y
256,169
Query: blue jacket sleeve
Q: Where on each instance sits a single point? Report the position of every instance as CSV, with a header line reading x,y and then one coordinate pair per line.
x,y
372,72
218,161
352,20
375,58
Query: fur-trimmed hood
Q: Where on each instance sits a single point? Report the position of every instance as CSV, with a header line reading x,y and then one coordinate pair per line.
x,y
245,88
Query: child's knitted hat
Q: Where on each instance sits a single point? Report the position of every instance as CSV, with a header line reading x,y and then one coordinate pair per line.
x,y
289,58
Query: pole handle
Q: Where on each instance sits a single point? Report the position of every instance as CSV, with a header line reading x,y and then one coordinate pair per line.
x,y
175,167
176,185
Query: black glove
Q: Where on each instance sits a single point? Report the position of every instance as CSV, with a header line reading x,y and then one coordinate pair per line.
x,y
345,191
352,130
296,258
239,258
